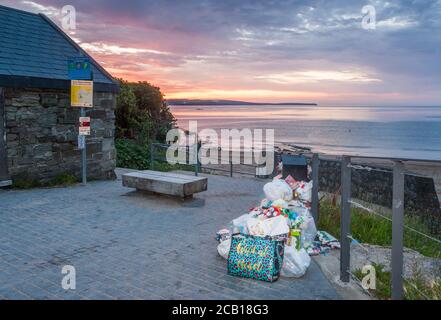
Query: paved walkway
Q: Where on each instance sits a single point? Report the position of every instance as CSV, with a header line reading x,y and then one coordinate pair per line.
x,y
129,245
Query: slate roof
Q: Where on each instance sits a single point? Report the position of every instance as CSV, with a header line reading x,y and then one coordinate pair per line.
x,y
34,53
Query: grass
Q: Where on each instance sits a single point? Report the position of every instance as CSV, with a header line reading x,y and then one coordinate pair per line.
x,y
60,180
369,228
414,289
383,282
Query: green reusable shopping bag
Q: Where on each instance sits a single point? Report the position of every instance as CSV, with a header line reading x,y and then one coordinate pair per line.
x,y
255,257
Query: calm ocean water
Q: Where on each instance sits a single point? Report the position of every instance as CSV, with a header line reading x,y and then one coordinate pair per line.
x,y
410,132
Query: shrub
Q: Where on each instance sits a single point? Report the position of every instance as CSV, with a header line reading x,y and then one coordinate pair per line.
x,y
131,155
142,113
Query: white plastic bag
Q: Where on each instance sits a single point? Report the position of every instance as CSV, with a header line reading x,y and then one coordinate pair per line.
x,y
268,227
304,190
223,248
278,189
295,262
240,224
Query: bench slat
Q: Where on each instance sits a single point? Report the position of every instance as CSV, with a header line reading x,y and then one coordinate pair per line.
x,y
165,182
164,176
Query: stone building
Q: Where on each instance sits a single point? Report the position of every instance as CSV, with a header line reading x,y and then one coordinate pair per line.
x,y
38,127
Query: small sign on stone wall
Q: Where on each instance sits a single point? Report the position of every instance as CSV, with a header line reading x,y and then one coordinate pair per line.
x,y
79,68
81,93
84,129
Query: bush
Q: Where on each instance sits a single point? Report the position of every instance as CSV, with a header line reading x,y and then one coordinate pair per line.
x,y
142,113
132,155
142,117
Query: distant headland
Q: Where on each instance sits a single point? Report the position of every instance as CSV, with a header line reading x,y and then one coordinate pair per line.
x,y
210,102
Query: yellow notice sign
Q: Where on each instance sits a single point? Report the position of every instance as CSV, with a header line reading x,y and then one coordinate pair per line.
x,y
81,93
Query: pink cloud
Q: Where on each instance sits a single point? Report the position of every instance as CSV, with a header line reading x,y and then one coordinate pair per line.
x,y
243,48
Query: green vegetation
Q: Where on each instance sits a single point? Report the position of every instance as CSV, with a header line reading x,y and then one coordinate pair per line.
x,y
61,180
414,289
142,113
133,155
383,284
142,118
369,228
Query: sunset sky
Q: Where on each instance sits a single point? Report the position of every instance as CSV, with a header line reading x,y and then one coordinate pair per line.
x,y
309,51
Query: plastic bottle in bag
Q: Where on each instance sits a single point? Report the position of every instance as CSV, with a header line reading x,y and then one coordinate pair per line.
x,y
309,231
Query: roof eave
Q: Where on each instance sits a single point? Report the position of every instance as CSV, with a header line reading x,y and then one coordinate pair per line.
x,y
46,83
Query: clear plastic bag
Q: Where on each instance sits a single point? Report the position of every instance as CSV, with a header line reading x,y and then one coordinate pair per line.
x,y
309,231
298,207
295,262
223,248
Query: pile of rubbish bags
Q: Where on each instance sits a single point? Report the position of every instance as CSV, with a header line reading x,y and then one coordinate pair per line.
x,y
285,214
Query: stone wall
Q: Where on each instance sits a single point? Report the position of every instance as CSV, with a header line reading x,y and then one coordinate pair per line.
x,y
375,187
42,130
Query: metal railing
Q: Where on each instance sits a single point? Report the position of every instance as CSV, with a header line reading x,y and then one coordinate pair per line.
x,y
397,218
231,169
162,146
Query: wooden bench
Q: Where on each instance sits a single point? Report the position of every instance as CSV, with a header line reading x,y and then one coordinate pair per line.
x,y
168,183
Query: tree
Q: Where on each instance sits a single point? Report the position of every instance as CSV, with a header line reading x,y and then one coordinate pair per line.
x,y
141,113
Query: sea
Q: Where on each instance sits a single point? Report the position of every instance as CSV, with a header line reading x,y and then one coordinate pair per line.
x,y
398,132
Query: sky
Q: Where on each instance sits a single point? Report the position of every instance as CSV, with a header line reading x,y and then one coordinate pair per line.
x,y
265,50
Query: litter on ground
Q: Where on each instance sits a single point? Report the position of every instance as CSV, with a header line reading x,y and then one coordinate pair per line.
x,y
277,237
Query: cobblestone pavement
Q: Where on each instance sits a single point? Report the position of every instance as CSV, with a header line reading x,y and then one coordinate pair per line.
x,y
129,245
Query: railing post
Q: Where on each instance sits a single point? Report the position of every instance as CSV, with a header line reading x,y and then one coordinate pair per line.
x,y
231,168
152,158
315,186
345,219
397,230
277,157
196,165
